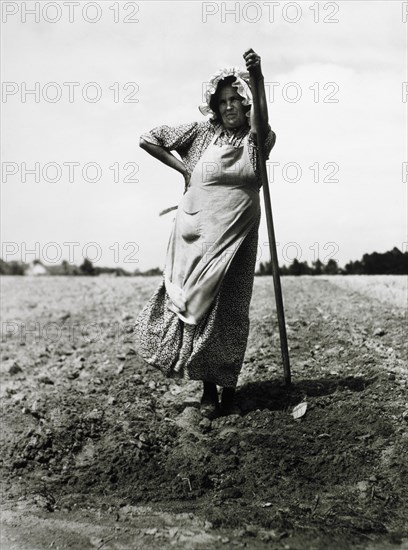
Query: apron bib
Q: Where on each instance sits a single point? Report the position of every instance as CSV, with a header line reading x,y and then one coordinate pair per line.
x,y
215,214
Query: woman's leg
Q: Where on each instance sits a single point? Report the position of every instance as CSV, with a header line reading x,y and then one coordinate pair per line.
x,y
210,393
209,405
221,337
227,397
228,403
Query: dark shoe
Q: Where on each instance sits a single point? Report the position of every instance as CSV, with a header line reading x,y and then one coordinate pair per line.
x,y
228,403
209,409
232,409
209,405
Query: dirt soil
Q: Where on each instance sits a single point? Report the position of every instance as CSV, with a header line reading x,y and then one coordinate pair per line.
x,y
101,451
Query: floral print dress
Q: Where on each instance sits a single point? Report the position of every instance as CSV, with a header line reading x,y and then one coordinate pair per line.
x,y
212,350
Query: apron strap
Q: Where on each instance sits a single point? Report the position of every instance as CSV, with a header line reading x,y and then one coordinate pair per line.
x,y
217,133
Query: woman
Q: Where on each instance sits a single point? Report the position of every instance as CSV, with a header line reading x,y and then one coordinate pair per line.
x,y
196,324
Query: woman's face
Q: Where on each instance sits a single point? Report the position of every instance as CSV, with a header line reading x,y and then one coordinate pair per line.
x,y
230,108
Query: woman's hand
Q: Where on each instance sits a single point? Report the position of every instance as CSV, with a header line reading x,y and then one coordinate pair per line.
x,y
253,62
259,110
187,177
167,158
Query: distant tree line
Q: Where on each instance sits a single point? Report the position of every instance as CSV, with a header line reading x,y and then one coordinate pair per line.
x,y
65,268
393,262
12,268
301,268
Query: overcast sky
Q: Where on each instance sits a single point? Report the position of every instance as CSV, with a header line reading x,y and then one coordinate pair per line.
x,y
335,102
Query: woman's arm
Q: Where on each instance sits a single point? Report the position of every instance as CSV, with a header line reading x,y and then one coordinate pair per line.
x,y
159,141
164,156
253,64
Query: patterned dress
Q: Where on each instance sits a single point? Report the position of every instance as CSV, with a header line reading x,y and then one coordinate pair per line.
x,y
212,350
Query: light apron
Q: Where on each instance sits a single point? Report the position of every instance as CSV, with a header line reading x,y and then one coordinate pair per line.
x,y
216,213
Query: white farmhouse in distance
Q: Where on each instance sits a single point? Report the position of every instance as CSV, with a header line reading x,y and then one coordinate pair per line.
x,y
36,268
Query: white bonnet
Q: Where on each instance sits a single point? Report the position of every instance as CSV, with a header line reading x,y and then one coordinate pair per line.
x,y
241,83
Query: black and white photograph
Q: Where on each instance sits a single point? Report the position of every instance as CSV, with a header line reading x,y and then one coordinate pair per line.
x,y
204,275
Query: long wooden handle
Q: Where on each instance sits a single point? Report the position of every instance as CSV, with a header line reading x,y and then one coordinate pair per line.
x,y
271,233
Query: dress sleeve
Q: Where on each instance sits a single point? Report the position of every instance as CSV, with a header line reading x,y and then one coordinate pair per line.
x,y
253,150
172,138
269,141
